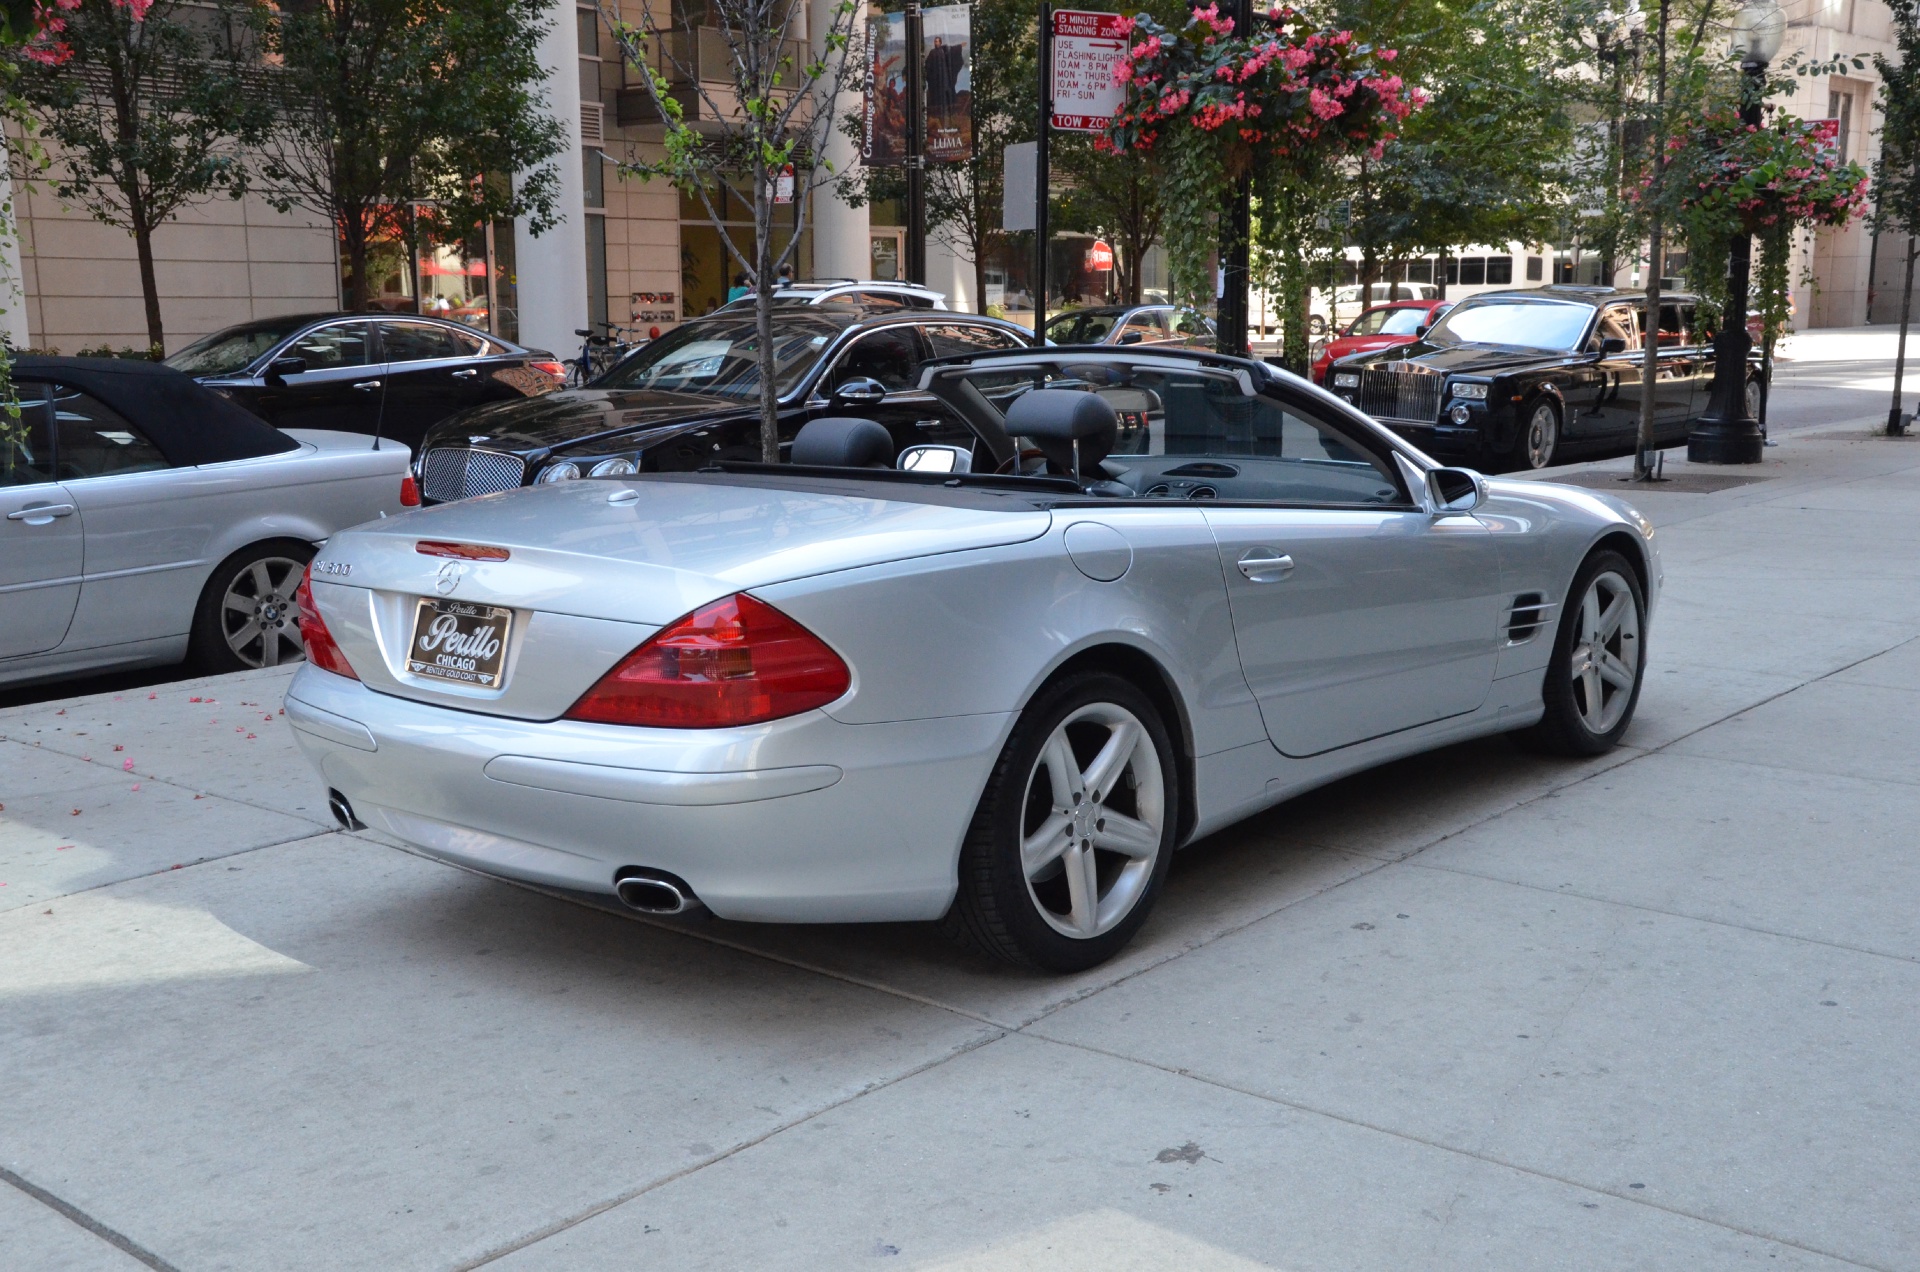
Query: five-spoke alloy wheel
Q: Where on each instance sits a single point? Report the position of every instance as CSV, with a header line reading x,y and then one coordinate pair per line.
x,y
1593,681
1075,830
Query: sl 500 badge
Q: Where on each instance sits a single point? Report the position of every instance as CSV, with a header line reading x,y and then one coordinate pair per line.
x,y
340,568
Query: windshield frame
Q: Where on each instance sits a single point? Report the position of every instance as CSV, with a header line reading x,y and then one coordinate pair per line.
x,y
690,333
1474,304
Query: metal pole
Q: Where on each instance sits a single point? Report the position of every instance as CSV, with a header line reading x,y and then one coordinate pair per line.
x,y
1236,239
1726,434
1896,423
916,263
1042,172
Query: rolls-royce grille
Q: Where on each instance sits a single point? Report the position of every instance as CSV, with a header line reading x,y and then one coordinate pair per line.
x,y
1400,396
456,472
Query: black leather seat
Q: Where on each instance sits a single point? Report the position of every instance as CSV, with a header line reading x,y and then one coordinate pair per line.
x,y
1063,421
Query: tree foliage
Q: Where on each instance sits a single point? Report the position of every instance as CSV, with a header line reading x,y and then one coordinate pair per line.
x,y
389,112
1897,173
769,116
148,115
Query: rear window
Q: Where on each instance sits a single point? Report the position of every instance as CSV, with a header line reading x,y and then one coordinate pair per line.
x,y
233,350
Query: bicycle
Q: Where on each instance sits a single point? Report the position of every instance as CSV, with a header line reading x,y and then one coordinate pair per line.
x,y
598,354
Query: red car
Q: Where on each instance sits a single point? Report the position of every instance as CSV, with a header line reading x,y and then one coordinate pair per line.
x,y
1381,327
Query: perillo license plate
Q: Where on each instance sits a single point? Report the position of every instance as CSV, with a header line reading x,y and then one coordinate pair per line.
x,y
460,641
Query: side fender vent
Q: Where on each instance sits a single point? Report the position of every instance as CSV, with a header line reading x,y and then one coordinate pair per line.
x,y
1531,611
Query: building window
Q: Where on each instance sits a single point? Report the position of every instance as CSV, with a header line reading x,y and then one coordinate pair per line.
x,y
596,228
595,185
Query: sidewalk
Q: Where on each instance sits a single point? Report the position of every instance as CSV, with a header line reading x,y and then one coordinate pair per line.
x,y
1475,1010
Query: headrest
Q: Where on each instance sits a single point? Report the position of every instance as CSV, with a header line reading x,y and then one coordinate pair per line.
x,y
1057,418
843,442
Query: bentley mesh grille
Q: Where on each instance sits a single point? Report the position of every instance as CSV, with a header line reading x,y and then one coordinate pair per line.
x,y
456,472
1403,396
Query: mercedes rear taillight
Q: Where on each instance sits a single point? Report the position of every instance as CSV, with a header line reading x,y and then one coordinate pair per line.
x,y
322,650
735,661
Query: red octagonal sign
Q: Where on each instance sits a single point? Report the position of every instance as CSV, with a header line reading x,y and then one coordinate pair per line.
x,y
1099,257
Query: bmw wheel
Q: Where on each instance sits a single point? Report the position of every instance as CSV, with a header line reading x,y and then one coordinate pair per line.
x,y
1539,439
1593,681
1075,831
247,616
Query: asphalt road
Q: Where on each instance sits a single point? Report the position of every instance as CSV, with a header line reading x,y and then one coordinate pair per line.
x,y
1475,1010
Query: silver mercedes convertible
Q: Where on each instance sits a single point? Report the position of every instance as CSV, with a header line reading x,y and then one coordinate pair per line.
x,y
995,685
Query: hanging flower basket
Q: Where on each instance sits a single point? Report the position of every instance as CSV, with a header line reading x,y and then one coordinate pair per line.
x,y
1213,105
1745,178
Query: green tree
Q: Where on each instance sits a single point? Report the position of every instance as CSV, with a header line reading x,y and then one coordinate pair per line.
x,y
385,105
766,121
1117,196
148,115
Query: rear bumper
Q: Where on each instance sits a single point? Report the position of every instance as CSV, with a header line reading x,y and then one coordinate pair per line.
x,y
803,820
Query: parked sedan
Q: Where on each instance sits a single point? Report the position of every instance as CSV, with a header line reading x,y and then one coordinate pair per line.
x,y
1164,591
1529,379
693,395
147,519
1132,324
358,373
1382,327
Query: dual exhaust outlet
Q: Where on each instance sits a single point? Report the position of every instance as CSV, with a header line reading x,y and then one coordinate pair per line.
x,y
648,891
654,892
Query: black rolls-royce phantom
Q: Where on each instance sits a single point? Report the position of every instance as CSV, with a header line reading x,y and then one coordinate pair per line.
x,y
1528,379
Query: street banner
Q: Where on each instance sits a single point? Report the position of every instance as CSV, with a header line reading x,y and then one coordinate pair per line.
x,y
1086,48
948,38
883,113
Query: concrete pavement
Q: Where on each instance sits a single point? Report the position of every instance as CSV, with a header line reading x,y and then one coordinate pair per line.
x,y
1473,1010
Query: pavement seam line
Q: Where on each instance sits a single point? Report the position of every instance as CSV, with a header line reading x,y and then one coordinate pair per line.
x,y
559,1226
164,781
1671,914
80,1218
1488,1158
166,870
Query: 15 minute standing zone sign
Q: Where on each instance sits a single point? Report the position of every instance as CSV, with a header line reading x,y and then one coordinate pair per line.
x,y
1086,48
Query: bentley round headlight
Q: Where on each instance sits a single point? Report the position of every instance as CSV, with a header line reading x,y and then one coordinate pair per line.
x,y
565,470
611,468
1346,379
1477,392
1460,413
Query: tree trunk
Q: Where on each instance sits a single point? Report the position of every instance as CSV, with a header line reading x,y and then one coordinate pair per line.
x,y
1894,428
353,228
149,286
762,281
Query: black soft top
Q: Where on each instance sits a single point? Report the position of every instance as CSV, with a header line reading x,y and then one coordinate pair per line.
x,y
191,424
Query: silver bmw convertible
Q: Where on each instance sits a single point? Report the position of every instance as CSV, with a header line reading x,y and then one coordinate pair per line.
x,y
994,685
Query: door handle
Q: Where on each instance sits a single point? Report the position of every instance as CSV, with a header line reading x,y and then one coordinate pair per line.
x,y
467,374
40,514
1264,565
367,386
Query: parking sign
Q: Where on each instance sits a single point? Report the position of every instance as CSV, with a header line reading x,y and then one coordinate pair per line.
x,y
1086,48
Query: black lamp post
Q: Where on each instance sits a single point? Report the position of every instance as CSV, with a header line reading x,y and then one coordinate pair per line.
x,y
1236,235
1727,433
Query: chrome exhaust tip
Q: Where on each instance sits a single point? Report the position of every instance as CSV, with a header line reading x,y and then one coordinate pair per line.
x,y
652,892
343,811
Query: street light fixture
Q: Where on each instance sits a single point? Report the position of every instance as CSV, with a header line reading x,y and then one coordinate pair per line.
x,y
1727,434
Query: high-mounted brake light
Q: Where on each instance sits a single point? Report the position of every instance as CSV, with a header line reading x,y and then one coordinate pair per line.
x,y
322,650
735,661
460,551
409,492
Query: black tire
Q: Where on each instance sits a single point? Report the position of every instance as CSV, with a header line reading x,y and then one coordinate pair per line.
x,y
998,911
211,648
1569,727
1527,453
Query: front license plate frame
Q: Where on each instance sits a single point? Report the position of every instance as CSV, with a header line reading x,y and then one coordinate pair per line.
x,y
469,650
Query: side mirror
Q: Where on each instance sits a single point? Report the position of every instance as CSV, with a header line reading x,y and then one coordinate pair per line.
x,y
1420,332
859,391
280,368
1130,337
932,458
1611,345
1456,490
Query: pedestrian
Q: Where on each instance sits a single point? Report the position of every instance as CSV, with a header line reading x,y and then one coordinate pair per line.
x,y
738,289
785,279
